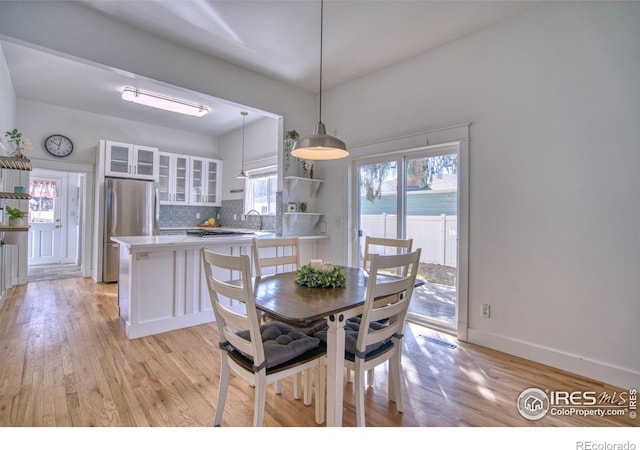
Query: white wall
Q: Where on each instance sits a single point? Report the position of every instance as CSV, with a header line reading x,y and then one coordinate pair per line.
x,y
7,100
39,120
259,141
554,99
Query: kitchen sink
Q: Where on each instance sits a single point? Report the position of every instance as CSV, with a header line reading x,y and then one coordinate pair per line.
x,y
214,233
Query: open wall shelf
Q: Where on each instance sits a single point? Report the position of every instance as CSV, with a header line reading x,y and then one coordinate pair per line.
x,y
294,182
310,218
15,163
14,196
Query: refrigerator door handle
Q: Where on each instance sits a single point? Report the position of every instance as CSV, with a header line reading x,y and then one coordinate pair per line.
x,y
156,212
112,200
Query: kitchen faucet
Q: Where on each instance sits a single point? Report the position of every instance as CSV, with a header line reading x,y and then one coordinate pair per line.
x,y
253,211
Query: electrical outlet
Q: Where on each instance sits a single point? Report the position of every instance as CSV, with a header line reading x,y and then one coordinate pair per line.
x,y
485,311
197,215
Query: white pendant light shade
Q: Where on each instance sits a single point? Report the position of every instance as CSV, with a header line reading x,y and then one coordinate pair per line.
x,y
242,174
320,146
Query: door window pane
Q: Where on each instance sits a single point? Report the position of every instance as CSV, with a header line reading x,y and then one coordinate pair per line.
x,y
378,201
432,221
42,202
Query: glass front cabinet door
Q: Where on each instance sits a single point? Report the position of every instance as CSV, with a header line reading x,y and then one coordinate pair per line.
x,y
197,182
173,179
213,170
206,182
145,163
118,158
131,161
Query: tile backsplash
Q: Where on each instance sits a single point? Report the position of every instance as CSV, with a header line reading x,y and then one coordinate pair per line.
x,y
176,216
232,211
229,215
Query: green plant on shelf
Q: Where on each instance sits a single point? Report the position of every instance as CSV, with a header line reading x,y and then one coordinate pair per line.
x,y
15,213
22,144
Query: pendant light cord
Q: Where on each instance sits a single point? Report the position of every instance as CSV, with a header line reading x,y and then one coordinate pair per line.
x,y
321,21
244,116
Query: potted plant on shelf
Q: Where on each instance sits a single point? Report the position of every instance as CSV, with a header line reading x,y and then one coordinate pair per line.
x,y
16,216
22,144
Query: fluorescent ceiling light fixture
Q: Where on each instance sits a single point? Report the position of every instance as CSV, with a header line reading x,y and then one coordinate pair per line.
x,y
163,102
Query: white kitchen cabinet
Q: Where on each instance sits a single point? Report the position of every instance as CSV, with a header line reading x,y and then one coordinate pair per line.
x,y
206,182
131,161
173,178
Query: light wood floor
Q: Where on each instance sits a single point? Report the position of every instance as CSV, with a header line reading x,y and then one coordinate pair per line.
x,y
65,362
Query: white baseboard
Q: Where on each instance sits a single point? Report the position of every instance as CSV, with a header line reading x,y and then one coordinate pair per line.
x,y
597,370
163,325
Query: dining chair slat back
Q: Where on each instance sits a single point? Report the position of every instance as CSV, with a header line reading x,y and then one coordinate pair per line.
x,y
223,292
282,254
383,246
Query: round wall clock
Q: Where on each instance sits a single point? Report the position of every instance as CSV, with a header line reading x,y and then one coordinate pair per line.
x,y
58,145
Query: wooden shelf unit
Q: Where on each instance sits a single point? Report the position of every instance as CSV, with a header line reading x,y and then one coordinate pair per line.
x,y
8,162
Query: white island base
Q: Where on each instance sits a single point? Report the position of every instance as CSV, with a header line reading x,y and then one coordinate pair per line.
x,y
161,283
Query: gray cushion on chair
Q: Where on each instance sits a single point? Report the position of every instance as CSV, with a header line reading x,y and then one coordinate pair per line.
x,y
351,329
281,343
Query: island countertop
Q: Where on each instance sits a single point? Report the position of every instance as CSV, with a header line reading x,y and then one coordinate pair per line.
x,y
176,241
184,241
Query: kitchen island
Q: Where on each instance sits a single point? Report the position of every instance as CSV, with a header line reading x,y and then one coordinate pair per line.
x,y
161,283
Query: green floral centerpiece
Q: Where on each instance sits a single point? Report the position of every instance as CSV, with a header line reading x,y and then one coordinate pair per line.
x,y
327,276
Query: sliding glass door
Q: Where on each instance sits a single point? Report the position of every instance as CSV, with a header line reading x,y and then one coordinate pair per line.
x,y
414,195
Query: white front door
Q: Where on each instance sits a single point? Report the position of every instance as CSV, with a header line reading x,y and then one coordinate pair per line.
x,y
45,219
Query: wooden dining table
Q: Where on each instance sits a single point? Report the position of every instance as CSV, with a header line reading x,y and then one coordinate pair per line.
x,y
280,296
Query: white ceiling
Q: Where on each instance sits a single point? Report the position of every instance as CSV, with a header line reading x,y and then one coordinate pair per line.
x,y
280,39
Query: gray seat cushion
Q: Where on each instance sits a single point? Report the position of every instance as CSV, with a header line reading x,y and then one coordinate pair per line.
x,y
282,343
351,329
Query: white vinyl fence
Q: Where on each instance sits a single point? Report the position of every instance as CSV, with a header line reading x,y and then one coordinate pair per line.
x,y
435,235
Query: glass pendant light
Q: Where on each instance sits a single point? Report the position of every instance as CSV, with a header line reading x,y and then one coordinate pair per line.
x,y
320,145
242,174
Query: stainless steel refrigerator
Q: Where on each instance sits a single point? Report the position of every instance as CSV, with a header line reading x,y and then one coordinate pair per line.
x,y
131,209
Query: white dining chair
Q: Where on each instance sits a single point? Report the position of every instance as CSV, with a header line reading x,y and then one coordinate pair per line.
x,y
380,246
259,354
378,338
277,255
